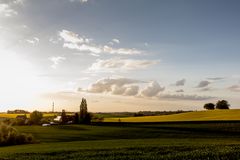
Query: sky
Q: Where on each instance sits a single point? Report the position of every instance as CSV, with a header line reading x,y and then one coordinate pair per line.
x,y
128,55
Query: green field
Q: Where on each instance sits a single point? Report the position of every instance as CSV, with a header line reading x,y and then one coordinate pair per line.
x,y
233,114
130,141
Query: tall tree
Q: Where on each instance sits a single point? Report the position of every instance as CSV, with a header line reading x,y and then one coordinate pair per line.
x,y
83,110
64,117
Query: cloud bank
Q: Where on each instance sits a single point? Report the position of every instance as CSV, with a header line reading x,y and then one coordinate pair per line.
x,y
118,86
152,89
131,87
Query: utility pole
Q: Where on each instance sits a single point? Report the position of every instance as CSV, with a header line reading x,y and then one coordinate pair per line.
x,y
53,107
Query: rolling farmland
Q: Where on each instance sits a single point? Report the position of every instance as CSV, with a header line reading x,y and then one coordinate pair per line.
x,y
212,115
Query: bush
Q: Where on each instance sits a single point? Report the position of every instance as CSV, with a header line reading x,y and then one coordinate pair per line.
x,y
10,136
36,117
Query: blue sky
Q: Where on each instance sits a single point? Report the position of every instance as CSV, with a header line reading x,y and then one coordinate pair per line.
x,y
162,54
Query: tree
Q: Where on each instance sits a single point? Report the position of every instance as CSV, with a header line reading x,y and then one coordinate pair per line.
x,y
88,118
11,136
85,117
223,104
209,106
76,118
36,117
83,109
64,117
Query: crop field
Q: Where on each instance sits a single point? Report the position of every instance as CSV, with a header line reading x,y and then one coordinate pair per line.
x,y
130,141
5,115
211,115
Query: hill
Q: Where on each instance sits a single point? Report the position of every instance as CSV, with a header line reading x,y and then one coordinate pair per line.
x,y
121,141
211,115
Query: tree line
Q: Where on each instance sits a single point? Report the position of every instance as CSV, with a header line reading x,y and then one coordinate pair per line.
x,y
221,104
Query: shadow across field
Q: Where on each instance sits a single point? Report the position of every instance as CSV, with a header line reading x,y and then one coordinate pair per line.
x,y
108,131
131,141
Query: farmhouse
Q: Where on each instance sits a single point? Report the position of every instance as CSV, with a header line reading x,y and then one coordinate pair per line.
x,y
68,119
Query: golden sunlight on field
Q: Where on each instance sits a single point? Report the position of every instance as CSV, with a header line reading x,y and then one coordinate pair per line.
x,y
190,116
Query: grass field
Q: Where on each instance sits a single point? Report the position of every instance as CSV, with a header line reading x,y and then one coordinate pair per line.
x,y
131,141
233,114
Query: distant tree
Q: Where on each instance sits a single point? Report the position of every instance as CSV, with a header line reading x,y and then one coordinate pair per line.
x,y
83,108
76,118
36,117
223,104
209,106
21,120
64,116
88,118
85,117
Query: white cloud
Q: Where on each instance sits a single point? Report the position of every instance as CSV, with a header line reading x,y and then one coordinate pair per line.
x,y
116,40
152,89
123,51
7,7
33,41
53,40
112,85
71,37
21,2
80,43
115,86
83,47
81,1
6,10
120,64
56,61
124,86
131,90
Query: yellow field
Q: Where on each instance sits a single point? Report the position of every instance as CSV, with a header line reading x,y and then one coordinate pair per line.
x,y
233,114
5,115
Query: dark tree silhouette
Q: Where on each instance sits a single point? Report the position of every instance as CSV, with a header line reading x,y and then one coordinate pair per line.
x,y
209,106
76,118
36,117
223,104
85,117
64,117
